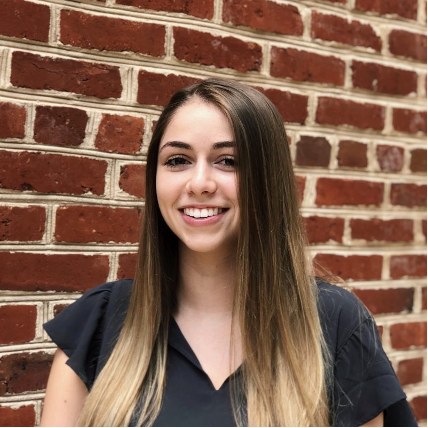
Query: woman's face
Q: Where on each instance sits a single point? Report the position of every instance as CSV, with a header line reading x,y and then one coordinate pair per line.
x,y
196,180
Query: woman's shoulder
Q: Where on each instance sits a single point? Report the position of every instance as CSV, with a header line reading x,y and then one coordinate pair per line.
x,y
341,314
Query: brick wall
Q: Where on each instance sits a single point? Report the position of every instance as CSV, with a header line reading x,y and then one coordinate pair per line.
x,y
83,82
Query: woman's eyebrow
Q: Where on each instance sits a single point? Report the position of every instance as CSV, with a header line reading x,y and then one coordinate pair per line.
x,y
185,146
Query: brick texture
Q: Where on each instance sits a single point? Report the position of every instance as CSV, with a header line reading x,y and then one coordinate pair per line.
x,y
83,85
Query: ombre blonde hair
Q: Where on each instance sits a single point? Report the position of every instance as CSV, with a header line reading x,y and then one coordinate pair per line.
x,y
286,368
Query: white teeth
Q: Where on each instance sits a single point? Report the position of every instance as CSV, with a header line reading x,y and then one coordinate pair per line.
x,y
204,212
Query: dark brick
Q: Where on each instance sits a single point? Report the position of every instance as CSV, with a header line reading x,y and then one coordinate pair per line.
x,y
313,151
352,154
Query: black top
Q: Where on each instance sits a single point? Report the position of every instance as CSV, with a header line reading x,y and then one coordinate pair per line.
x,y
365,383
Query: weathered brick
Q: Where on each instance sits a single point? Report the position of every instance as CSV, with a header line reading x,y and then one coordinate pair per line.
x,y
59,308
336,111
24,372
419,407
23,416
127,265
198,8
25,20
357,268
337,29
300,186
22,224
410,45
338,191
12,120
60,126
18,323
409,334
48,272
408,194
409,121
80,77
149,84
292,107
263,15
51,173
111,34
306,66
222,52
408,266
375,229
390,158
133,180
410,371
324,229
418,160
380,78
405,8
120,134
82,224
352,154
386,301
313,151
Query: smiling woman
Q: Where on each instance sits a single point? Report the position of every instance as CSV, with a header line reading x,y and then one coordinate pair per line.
x,y
224,323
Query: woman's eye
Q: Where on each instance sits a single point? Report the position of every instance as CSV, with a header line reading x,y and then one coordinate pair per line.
x,y
229,162
171,163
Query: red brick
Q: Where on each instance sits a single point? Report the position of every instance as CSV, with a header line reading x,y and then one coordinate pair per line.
x,y
390,158
263,15
392,300
410,45
83,224
120,134
405,8
399,230
419,407
338,191
409,334
424,298
418,160
337,29
336,111
358,268
111,34
410,121
307,66
48,272
127,265
408,266
18,323
25,20
12,120
133,180
313,151
408,194
22,224
51,173
198,8
23,416
157,89
300,186
59,308
222,52
24,372
292,107
324,229
410,371
387,80
80,77
352,154
60,126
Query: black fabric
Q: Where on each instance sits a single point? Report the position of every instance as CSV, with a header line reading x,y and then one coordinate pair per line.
x,y
364,382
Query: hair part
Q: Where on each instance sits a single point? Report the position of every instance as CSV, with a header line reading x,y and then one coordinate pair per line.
x,y
286,366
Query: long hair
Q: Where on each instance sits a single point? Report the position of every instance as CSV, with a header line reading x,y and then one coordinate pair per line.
x,y
283,376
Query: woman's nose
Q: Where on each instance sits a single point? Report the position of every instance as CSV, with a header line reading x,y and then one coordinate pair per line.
x,y
201,179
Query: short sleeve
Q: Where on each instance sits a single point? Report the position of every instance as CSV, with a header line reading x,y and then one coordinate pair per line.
x,y
366,384
78,331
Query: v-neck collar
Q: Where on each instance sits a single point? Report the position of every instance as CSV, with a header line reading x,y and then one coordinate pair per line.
x,y
177,340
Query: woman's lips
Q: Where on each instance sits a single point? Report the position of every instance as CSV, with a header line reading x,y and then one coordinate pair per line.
x,y
202,221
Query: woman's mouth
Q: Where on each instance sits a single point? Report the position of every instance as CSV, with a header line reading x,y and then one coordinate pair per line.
x,y
203,216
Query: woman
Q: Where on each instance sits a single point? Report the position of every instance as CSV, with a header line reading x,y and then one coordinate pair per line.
x,y
224,323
